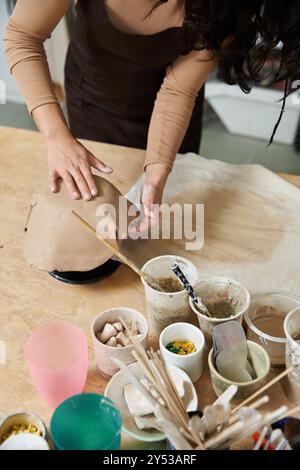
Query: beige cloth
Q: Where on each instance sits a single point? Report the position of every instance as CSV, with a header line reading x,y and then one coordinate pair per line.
x,y
56,240
252,224
32,23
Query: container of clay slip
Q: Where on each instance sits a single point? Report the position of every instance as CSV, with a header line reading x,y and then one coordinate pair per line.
x,y
291,383
265,319
171,306
226,299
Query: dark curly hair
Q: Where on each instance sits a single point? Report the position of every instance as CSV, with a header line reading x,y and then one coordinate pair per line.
x,y
243,37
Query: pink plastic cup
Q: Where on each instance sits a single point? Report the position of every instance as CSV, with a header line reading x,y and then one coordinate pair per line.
x,y
57,358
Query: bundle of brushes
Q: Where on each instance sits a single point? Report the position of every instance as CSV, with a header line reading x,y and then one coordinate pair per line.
x,y
219,427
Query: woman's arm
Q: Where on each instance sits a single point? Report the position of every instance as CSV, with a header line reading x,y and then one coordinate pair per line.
x,y
170,119
174,105
30,25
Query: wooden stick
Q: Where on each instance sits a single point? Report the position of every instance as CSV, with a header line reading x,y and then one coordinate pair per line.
x,y
28,216
147,278
141,356
160,387
241,429
267,420
290,412
256,404
172,395
157,372
262,389
228,433
169,380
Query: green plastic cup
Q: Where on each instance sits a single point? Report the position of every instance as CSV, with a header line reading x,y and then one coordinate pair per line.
x,y
87,421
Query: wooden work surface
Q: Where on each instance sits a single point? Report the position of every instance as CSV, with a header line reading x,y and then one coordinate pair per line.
x,y
30,298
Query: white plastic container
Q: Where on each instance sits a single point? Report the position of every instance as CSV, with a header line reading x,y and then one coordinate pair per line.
x,y
192,363
254,114
265,319
217,289
165,308
291,383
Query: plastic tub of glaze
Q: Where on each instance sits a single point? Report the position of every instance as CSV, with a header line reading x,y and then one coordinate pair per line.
x,y
225,298
265,319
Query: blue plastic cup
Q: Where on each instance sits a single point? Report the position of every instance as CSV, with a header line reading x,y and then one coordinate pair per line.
x,y
87,421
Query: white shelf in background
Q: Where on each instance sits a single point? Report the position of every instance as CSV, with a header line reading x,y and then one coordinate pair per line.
x,y
255,114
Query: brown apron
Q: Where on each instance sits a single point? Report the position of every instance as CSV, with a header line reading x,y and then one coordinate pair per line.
x,y
112,79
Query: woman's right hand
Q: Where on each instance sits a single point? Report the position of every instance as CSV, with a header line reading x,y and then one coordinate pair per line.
x,y
70,161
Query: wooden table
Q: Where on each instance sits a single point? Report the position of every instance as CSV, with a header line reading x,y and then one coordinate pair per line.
x,y
30,298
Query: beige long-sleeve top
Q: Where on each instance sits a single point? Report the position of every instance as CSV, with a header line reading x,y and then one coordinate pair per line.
x,y
32,23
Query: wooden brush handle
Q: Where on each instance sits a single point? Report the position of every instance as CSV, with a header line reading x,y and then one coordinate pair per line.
x,y
122,257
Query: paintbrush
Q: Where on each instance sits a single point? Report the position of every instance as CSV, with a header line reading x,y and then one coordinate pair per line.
x,y
147,278
188,287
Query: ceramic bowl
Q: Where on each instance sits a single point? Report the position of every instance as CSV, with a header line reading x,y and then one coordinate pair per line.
x,y
105,354
115,391
193,363
261,365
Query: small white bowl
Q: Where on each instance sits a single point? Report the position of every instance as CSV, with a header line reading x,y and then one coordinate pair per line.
x,y
192,363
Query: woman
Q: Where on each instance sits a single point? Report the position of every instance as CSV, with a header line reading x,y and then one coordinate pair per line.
x,y
134,74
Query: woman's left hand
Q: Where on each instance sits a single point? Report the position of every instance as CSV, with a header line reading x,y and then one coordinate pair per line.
x,y
156,176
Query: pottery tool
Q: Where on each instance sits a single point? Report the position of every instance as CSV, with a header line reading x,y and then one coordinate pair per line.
x,y
262,389
147,278
231,352
229,366
147,422
156,371
171,430
245,427
227,396
188,287
255,405
268,419
231,432
28,216
214,430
